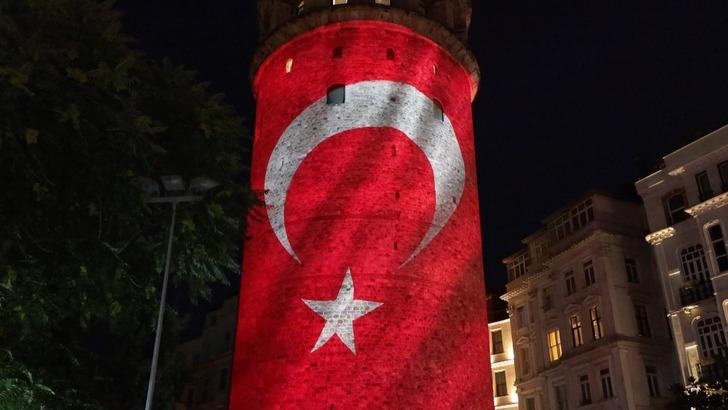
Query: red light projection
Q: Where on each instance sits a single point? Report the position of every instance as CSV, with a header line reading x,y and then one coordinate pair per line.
x,y
362,282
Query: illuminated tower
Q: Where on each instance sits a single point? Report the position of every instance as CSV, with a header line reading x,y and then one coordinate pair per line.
x,y
362,282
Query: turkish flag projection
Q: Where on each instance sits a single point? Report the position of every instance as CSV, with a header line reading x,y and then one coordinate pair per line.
x,y
362,282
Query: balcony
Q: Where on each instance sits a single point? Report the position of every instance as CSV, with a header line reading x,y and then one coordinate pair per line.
x,y
693,292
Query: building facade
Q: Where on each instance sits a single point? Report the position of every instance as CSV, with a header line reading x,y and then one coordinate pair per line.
x,y
587,319
685,204
502,363
209,358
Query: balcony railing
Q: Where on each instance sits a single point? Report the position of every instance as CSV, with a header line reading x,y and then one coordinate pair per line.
x,y
695,292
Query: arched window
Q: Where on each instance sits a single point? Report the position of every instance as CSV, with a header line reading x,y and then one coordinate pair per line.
x,y
336,95
712,337
338,52
694,265
437,110
390,54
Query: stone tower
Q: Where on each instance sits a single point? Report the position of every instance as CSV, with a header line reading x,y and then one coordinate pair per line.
x,y
362,282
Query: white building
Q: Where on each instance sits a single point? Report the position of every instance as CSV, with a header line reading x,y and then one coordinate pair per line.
x,y
502,363
685,205
587,319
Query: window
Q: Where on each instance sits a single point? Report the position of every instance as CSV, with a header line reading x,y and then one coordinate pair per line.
x,y
338,52
501,388
704,190
289,65
496,338
301,6
570,282
576,335
531,403
382,2
554,340
675,204
596,323
571,221
630,265
715,233
643,322
589,276
712,338
694,265
521,316
519,266
525,359
337,2
560,396
723,171
652,383
336,95
390,54
585,390
546,298
606,384
223,379
437,112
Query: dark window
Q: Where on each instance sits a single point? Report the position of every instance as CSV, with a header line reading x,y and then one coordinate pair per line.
x,y
596,323
223,379
390,54
501,388
496,338
704,190
585,390
577,336
531,403
652,381
546,298
675,204
723,171
630,265
712,338
719,250
589,276
643,322
338,52
336,95
560,393
570,282
606,384
437,110
694,264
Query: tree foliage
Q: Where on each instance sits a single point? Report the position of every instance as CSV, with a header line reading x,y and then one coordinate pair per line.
x,y
82,116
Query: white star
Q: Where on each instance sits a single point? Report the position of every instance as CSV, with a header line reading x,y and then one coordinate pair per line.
x,y
340,314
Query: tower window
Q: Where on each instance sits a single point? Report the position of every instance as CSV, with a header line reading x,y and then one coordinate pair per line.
x,y
336,95
338,52
337,2
390,54
437,110
289,65
382,2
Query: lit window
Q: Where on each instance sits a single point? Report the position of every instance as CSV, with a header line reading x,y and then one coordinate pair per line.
x,y
607,391
496,338
289,65
437,110
390,54
336,95
675,204
643,321
554,339
712,338
577,337
704,190
715,233
589,275
570,282
338,52
501,387
630,265
382,2
652,381
585,390
596,323
337,2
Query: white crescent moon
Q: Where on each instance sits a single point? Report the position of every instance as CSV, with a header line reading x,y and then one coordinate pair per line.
x,y
369,104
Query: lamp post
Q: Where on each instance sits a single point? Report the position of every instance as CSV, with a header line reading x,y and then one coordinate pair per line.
x,y
175,193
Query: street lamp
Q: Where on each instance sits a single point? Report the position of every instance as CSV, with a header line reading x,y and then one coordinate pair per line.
x,y
174,193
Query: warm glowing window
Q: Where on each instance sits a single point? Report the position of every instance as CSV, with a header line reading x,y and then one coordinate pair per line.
x,y
336,95
337,2
577,337
289,65
554,339
382,2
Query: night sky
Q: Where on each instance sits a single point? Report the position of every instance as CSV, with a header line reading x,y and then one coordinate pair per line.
x,y
575,96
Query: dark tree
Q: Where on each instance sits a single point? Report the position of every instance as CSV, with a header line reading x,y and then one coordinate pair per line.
x,y
82,116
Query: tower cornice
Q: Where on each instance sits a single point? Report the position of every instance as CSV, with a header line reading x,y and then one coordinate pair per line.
x,y
414,21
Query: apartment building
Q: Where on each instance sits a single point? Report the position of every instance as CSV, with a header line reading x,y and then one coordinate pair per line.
x,y
685,205
502,363
587,320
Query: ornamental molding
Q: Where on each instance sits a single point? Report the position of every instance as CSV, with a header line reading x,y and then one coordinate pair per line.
x,y
655,238
712,203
